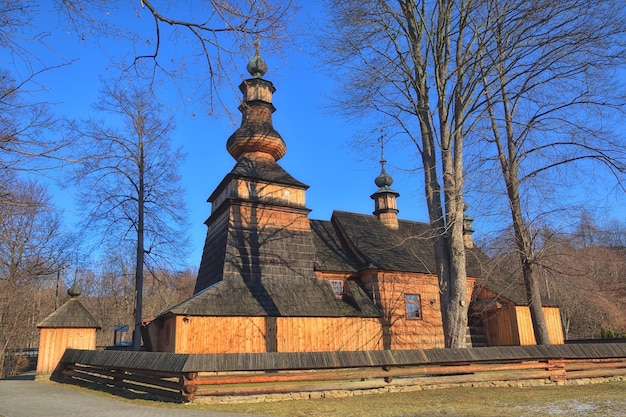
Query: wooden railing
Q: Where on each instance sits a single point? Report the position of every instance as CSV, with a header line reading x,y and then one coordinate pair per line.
x,y
183,377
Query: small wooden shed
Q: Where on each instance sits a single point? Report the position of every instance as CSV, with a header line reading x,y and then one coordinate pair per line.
x,y
505,318
71,326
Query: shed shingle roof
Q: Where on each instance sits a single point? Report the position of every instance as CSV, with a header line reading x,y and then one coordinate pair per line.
x,y
72,314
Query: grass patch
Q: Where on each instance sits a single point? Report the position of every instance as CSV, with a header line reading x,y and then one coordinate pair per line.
x,y
605,399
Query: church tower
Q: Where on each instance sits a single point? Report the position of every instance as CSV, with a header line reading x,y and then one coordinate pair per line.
x,y
259,238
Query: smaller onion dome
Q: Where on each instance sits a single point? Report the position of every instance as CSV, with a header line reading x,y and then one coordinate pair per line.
x,y
257,66
74,290
383,181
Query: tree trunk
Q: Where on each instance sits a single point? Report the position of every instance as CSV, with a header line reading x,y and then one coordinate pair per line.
x,y
140,241
533,294
509,163
523,239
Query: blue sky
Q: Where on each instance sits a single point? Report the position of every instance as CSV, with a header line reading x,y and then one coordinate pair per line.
x,y
319,150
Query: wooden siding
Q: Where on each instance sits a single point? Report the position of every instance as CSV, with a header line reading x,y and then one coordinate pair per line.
x,y
249,216
525,325
161,335
510,326
500,327
323,334
555,325
263,192
219,334
53,343
181,334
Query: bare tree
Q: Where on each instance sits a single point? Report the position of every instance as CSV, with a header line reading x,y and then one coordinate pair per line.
x,y
415,63
129,181
206,33
585,273
32,249
446,73
108,292
29,138
547,69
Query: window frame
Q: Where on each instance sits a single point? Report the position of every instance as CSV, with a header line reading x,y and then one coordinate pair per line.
x,y
417,306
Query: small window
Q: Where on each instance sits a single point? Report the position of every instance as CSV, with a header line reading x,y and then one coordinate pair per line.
x,y
413,310
337,287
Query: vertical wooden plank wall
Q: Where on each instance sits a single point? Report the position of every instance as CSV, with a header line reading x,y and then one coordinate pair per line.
x,y
53,342
290,334
220,334
501,328
555,326
323,334
525,325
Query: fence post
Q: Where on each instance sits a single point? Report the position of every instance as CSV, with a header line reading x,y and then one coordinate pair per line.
x,y
189,386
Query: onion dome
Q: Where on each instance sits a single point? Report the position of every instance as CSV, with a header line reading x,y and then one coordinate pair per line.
x,y
383,181
74,290
385,198
257,66
256,135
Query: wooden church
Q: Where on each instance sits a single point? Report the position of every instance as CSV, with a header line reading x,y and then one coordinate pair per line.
x,y
273,280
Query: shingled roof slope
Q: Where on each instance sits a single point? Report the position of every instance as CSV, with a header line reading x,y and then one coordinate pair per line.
x,y
213,254
407,249
265,271
294,297
356,296
332,253
72,314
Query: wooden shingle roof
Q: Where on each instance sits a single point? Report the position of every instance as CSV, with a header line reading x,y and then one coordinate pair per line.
x,y
509,289
72,314
332,252
373,245
272,296
260,169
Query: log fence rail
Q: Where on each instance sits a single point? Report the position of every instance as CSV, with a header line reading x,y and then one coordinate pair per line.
x,y
189,377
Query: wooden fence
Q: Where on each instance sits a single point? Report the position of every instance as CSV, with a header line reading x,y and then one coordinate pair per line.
x,y
187,377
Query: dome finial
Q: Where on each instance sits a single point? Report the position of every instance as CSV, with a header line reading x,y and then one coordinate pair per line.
x,y
384,180
385,198
74,290
257,66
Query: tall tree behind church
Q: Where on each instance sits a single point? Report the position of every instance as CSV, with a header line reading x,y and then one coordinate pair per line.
x,y
550,93
129,183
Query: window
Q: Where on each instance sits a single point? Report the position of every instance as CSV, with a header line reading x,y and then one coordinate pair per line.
x,y
337,287
413,310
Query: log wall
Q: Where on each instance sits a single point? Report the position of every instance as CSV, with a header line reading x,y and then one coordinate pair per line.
x,y
389,290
